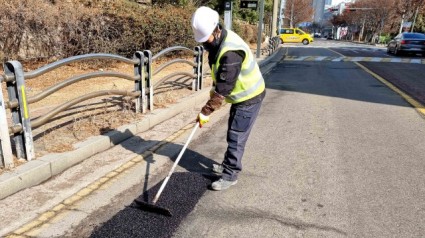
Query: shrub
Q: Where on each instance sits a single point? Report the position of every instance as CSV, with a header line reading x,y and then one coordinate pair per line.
x,y
246,31
25,29
384,39
155,29
59,29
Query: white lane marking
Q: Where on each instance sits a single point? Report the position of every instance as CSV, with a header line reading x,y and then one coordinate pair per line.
x,y
320,58
357,59
302,58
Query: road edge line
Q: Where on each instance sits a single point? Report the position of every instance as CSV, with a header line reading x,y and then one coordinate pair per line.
x,y
415,104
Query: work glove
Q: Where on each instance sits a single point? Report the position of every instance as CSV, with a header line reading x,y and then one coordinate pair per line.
x,y
202,119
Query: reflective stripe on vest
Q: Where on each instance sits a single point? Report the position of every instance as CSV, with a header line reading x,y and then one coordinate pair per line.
x,y
250,82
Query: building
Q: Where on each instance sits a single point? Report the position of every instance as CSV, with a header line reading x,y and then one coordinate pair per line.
x,y
319,7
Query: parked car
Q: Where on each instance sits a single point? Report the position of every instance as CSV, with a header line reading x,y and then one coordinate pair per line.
x,y
407,43
294,35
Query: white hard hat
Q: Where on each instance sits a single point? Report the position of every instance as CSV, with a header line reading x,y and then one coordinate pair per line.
x,y
204,21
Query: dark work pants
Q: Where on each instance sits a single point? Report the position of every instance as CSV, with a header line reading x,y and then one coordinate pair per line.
x,y
241,120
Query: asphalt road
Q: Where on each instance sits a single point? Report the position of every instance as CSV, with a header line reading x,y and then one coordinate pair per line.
x,y
334,153
406,76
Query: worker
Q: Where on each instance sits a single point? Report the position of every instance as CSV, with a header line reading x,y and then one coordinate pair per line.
x,y
237,80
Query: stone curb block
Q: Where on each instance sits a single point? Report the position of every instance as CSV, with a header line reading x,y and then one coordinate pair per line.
x,y
26,175
271,57
37,171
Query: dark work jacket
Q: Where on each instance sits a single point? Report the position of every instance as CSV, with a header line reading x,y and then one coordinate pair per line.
x,y
230,68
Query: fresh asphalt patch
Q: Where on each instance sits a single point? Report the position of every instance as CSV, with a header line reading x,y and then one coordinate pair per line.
x,y
180,196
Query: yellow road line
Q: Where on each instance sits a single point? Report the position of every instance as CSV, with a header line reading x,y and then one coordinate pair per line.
x,y
417,105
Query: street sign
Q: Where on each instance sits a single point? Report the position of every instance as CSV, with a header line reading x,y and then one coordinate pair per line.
x,y
228,15
407,24
249,4
227,6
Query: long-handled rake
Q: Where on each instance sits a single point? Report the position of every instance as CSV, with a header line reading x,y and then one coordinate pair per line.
x,y
152,207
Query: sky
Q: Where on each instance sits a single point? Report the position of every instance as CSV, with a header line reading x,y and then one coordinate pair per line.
x,y
336,2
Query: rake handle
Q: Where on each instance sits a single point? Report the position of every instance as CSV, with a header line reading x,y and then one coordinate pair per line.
x,y
175,164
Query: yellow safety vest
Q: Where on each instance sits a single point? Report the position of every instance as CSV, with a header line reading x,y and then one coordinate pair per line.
x,y
250,82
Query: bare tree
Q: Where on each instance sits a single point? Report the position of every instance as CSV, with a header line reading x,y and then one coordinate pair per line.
x,y
406,9
370,18
374,16
299,11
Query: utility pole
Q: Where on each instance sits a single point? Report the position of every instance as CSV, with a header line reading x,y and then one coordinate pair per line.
x,y
292,14
281,14
260,28
274,20
228,15
414,19
381,28
362,31
402,23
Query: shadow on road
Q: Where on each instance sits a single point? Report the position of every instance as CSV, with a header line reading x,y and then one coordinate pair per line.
x,y
348,81
180,195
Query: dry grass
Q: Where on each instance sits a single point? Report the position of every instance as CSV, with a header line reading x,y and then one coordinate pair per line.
x,y
96,116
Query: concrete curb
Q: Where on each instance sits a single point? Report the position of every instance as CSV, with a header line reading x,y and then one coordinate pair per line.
x,y
37,171
272,57
269,63
366,43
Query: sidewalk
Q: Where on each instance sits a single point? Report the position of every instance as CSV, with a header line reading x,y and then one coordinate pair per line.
x,y
36,191
364,43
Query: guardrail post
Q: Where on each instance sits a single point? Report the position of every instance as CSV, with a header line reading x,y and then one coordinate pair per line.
x,y
199,60
6,157
149,85
201,78
16,90
139,70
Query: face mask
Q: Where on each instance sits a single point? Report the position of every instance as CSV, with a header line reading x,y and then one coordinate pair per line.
x,y
211,46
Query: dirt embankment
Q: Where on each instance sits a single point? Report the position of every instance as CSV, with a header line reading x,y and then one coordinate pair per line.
x,y
98,115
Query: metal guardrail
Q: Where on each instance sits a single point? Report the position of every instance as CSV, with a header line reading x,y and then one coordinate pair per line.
x,y
272,46
197,65
19,104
